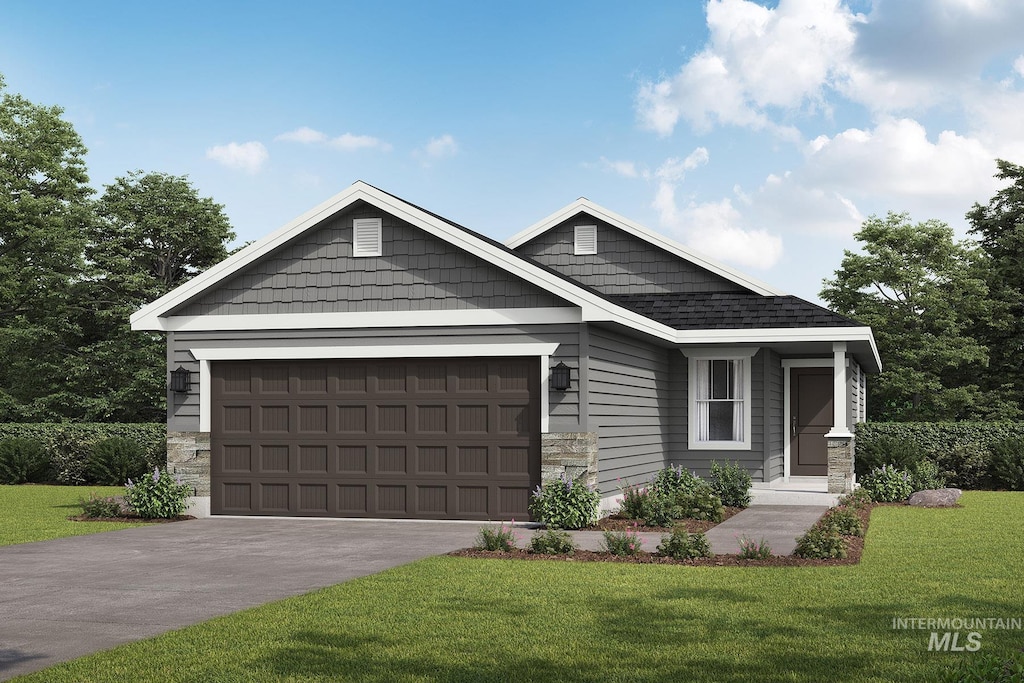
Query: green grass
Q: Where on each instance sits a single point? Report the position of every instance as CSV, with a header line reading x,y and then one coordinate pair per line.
x,y
38,513
456,619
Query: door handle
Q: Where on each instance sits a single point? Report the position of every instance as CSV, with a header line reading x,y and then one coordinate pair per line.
x,y
794,425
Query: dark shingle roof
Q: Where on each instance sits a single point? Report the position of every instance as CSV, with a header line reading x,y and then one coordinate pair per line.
x,y
731,311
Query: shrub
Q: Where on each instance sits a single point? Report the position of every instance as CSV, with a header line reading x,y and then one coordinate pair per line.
x,y
731,483
887,484
101,507
501,538
754,550
901,452
926,475
702,504
114,461
23,460
1006,469
622,542
156,495
965,465
683,546
988,668
672,481
552,542
565,503
821,542
858,499
843,521
642,504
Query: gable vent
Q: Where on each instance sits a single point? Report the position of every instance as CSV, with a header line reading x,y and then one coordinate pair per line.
x,y
366,239
585,239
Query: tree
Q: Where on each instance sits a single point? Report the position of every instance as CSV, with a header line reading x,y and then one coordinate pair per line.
x,y
1000,228
921,292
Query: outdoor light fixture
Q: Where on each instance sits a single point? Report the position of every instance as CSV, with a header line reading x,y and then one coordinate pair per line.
x,y
181,379
560,377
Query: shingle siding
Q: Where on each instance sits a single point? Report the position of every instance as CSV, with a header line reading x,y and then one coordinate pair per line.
x,y
624,264
318,274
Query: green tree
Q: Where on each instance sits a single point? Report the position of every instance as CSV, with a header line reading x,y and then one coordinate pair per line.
x,y
999,226
921,292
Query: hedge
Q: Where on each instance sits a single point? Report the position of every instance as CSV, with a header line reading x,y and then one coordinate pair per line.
x,y
960,449
69,444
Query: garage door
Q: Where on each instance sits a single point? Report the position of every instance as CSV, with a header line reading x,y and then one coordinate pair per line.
x,y
451,438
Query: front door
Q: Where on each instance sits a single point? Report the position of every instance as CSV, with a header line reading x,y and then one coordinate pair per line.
x,y
811,416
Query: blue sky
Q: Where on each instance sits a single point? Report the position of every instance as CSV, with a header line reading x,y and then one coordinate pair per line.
x,y
761,134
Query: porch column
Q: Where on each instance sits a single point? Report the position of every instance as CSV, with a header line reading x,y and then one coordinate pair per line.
x,y
840,439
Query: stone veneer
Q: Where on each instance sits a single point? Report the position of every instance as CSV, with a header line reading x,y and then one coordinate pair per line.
x,y
188,456
573,454
840,464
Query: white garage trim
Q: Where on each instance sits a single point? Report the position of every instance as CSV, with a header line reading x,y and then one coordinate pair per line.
x,y
205,355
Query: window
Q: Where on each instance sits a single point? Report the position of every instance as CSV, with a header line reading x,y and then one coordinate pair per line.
x,y
366,240
585,240
720,400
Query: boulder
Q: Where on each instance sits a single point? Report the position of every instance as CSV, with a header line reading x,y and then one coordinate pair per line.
x,y
935,498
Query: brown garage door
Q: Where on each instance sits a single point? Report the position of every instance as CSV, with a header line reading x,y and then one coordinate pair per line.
x,y
451,438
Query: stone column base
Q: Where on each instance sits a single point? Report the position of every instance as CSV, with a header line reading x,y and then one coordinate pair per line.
x,y
570,454
840,464
188,457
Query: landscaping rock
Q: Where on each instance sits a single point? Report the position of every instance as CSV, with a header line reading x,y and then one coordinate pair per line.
x,y
935,498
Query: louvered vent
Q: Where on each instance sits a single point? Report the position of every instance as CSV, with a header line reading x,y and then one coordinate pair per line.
x,y
585,239
366,241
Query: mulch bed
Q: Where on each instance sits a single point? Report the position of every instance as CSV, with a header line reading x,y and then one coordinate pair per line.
x,y
854,549
135,519
692,526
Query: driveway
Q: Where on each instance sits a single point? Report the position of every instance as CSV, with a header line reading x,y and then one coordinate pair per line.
x,y
69,597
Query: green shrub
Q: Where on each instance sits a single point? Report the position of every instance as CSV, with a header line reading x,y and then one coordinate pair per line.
x,y
843,521
965,465
68,445
102,507
157,496
887,484
622,542
858,499
114,461
731,483
641,503
674,480
683,546
552,542
982,667
925,475
23,461
565,503
1006,469
702,504
821,542
754,550
502,538
901,452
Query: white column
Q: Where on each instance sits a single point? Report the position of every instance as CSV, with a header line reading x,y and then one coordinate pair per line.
x,y
840,392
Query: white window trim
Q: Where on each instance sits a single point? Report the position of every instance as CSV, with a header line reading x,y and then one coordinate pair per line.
x,y
207,354
588,246
361,249
695,354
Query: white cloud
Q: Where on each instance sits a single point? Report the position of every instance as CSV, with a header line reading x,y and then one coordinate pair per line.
x,y
1018,65
626,169
304,135
713,228
673,170
440,147
348,142
246,156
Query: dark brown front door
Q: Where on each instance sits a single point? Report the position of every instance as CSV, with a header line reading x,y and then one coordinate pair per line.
x,y
428,438
810,419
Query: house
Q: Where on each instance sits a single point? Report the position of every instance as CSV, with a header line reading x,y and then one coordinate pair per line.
x,y
373,359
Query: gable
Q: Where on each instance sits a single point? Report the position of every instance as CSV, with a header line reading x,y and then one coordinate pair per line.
x,y
415,271
623,263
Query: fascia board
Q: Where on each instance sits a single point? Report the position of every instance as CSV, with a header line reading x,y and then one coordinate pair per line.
x,y
784,334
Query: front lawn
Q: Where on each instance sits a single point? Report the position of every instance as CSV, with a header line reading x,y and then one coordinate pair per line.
x,y
457,619
38,513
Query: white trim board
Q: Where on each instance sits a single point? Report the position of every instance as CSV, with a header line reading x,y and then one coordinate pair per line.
x,y
205,355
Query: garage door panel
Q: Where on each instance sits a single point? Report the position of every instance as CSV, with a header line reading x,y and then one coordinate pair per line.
x,y
425,438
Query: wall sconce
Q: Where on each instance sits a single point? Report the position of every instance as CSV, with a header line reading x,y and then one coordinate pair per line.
x,y
560,377
181,380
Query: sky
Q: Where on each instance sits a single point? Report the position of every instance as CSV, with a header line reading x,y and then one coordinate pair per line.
x,y
761,134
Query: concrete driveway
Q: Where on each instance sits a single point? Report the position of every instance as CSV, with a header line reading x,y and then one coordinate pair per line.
x,y
69,597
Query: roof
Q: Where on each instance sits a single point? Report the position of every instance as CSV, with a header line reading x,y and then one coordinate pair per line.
x,y
615,220
731,310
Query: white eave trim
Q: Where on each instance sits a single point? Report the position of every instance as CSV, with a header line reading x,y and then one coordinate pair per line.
x,y
623,223
370,319
313,352
783,334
